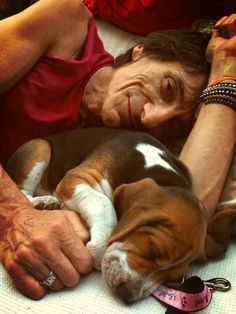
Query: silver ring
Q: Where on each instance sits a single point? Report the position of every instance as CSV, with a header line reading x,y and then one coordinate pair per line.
x,y
49,280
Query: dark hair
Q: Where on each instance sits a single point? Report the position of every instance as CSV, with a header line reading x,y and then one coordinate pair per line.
x,y
183,45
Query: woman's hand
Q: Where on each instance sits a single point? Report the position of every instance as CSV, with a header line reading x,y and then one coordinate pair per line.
x,y
221,52
35,242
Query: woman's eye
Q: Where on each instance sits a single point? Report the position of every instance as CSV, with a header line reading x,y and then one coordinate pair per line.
x,y
169,89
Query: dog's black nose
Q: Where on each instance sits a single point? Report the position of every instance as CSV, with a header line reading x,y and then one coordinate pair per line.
x,y
123,292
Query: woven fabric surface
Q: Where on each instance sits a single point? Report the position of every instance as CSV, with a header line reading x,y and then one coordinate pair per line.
x,y
91,296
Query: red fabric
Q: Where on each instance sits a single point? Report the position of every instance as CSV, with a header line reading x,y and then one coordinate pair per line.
x,y
145,16
47,99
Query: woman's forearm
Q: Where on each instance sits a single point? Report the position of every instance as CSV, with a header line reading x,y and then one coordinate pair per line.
x,y
208,152
11,199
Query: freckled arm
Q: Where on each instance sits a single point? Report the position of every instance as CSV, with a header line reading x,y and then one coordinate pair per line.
x,y
208,152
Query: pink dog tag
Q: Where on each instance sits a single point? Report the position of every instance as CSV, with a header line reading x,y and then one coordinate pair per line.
x,y
192,295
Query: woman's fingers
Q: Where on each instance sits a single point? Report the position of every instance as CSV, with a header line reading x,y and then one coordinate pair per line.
x,y
59,264
78,225
74,248
62,249
24,281
227,26
35,266
225,29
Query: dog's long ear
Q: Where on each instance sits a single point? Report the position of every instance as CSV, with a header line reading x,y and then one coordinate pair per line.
x,y
219,231
132,202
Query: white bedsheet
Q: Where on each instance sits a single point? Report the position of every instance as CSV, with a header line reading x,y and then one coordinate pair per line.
x,y
92,297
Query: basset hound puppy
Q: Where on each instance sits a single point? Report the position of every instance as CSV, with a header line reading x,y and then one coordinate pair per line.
x,y
146,225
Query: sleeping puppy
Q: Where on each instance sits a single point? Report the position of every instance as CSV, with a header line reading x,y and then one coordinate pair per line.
x,y
108,174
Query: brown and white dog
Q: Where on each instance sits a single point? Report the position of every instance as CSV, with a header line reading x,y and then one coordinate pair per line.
x,y
108,175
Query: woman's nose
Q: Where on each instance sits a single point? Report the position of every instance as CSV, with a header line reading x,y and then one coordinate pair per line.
x,y
153,115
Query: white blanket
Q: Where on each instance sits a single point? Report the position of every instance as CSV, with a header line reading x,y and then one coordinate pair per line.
x,y
91,296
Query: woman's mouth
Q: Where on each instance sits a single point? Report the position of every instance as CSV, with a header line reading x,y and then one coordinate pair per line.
x,y
134,116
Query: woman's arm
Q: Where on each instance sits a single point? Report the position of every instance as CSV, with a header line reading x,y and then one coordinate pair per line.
x,y
35,242
208,150
46,26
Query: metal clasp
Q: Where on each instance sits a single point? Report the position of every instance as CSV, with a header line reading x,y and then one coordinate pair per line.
x,y
176,285
219,284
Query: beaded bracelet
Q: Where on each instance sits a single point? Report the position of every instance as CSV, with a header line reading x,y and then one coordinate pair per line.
x,y
221,93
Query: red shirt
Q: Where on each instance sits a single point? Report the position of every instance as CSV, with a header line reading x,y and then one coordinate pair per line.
x,y
47,100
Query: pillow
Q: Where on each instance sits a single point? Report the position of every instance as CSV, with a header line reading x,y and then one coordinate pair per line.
x,y
145,16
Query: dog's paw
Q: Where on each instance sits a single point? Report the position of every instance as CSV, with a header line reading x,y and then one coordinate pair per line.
x,y
46,202
97,252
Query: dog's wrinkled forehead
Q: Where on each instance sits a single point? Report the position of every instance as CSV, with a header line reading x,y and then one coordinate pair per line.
x,y
165,209
153,156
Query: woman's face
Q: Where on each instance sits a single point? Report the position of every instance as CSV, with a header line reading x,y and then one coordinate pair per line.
x,y
151,95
